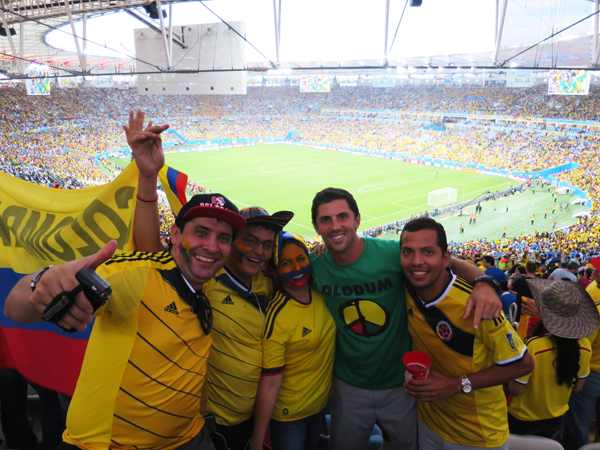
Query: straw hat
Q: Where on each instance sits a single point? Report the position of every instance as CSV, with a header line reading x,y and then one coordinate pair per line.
x,y
566,309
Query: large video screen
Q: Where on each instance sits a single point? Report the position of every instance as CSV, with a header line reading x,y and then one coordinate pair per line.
x,y
569,82
68,83
38,86
315,83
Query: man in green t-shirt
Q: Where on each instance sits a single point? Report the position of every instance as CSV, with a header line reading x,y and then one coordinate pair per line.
x,y
363,280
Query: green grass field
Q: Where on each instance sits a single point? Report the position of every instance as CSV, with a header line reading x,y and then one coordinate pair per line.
x,y
280,177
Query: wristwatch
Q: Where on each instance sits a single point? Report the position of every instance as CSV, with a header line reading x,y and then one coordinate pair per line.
x,y
466,387
489,280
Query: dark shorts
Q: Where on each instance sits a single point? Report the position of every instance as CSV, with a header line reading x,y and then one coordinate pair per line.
x,y
548,428
235,437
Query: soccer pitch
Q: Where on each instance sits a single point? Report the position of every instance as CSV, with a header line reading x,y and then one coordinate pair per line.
x,y
287,177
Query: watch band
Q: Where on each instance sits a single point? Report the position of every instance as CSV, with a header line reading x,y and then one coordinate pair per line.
x,y
466,386
488,280
37,276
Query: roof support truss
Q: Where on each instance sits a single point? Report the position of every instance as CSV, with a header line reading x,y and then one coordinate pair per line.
x,y
40,9
595,37
277,19
499,22
151,24
80,54
386,31
12,43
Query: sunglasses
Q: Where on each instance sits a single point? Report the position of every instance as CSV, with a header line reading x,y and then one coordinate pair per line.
x,y
204,312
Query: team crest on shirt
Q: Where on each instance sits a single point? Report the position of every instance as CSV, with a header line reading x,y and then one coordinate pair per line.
x,y
512,341
444,330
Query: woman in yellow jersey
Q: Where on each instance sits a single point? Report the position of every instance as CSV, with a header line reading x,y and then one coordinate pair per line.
x,y
298,346
562,358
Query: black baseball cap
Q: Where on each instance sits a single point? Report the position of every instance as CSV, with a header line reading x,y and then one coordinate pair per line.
x,y
257,214
216,206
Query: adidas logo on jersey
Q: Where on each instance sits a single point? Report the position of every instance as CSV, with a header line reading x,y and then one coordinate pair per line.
x,y
227,301
172,308
305,331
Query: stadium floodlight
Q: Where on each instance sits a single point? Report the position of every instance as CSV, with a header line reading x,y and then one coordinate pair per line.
x,y
442,197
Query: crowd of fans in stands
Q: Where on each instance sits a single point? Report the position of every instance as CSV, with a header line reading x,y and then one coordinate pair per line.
x,y
50,140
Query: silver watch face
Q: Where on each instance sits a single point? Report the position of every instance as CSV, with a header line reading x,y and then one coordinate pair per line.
x,y
467,388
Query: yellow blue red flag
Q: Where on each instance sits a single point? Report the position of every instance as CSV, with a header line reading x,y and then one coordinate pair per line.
x,y
42,226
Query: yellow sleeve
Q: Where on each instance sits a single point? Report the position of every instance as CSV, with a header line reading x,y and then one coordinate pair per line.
x,y
585,354
274,342
274,352
127,285
499,336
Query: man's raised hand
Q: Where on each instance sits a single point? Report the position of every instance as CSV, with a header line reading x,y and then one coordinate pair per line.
x,y
145,143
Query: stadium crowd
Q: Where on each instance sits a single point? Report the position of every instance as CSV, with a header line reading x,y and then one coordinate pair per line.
x,y
53,144
48,139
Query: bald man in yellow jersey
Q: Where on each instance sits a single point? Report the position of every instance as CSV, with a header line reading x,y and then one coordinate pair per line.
x,y
460,404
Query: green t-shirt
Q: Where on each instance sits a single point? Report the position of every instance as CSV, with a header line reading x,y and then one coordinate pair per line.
x,y
366,301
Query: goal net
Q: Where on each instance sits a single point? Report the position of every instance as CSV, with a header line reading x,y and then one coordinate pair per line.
x,y
442,197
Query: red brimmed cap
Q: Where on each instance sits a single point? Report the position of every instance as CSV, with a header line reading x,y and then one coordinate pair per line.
x,y
216,206
595,262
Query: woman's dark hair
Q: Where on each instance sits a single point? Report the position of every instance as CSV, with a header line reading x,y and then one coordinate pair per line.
x,y
511,270
566,362
294,242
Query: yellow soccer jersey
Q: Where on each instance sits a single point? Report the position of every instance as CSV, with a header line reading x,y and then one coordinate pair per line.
x,y
235,360
543,398
145,363
299,340
594,338
456,348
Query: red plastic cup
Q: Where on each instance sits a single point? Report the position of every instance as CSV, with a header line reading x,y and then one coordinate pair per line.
x,y
416,365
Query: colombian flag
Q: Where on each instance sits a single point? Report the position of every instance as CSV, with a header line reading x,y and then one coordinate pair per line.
x,y
174,187
41,226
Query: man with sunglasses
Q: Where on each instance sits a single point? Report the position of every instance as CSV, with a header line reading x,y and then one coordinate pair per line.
x,y
145,363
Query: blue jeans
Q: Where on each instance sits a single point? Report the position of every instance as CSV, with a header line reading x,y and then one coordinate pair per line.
x,y
300,434
579,415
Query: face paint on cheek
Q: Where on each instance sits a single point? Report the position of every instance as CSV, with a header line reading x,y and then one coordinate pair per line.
x,y
238,250
185,246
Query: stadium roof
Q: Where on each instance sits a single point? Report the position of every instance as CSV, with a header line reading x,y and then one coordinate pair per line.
x,y
312,34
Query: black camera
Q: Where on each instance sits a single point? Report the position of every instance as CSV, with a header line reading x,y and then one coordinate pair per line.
x,y
95,288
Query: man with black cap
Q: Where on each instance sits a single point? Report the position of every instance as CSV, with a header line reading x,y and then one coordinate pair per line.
x,y
237,293
145,363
